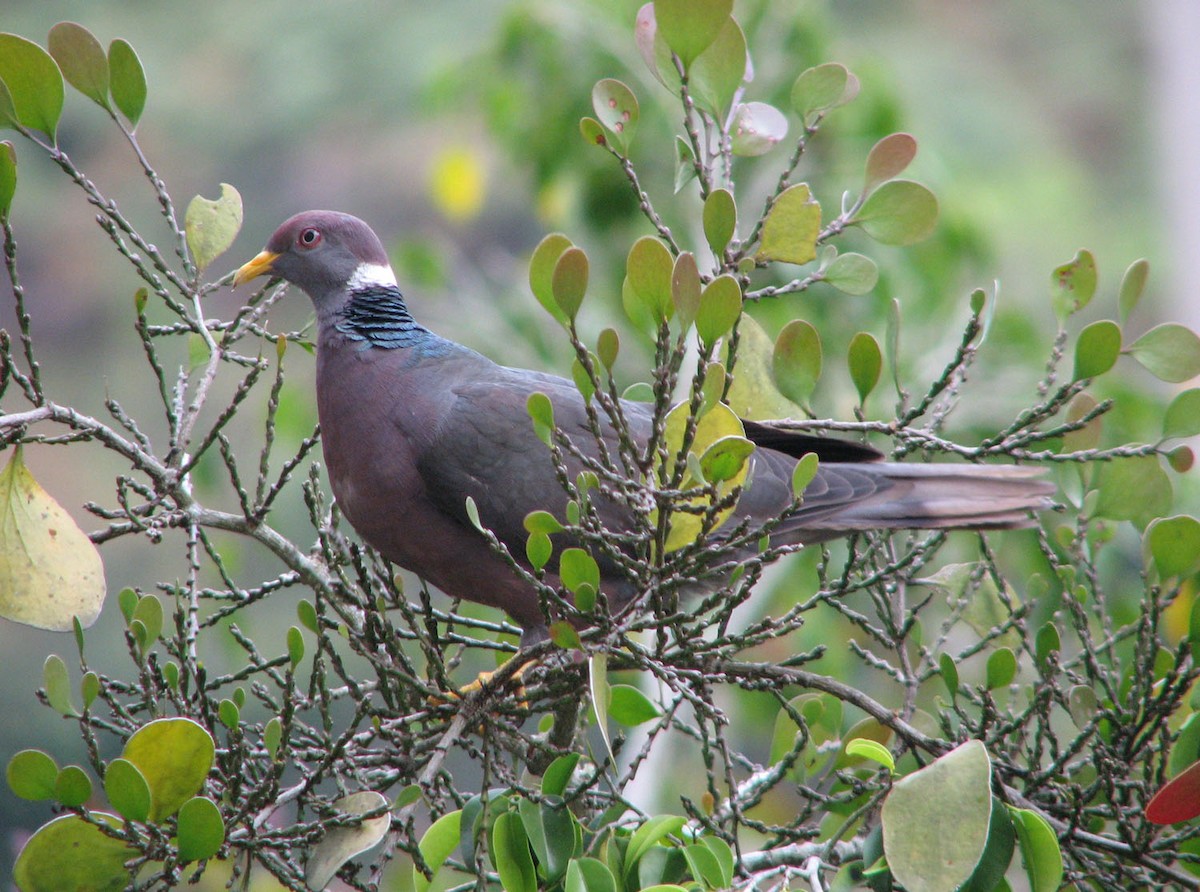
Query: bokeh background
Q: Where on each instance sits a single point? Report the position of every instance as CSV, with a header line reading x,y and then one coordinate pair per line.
x,y
452,128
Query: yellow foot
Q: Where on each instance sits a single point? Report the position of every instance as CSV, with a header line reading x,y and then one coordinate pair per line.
x,y
485,680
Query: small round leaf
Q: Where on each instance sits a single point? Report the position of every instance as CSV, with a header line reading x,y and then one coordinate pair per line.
x,y
1183,415
757,128
796,361
70,853
690,26
720,220
900,212
174,755
865,361
720,307
202,829
1170,352
789,233
1073,284
629,706
617,110
1097,349
72,787
127,80
888,159
127,790
852,273
81,59
34,85
211,225
31,775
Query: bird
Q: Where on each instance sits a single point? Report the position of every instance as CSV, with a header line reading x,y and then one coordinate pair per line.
x,y
414,425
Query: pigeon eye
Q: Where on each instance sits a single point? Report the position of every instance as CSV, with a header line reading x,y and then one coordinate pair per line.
x,y
309,238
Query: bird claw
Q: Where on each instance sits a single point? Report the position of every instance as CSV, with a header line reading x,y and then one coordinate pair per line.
x,y
487,681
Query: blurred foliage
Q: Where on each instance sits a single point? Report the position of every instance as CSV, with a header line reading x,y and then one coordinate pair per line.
x,y
1086,638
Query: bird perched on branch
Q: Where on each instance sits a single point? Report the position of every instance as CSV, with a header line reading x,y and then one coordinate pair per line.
x,y
413,424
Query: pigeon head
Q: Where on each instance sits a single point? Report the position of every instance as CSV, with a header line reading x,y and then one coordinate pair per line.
x,y
324,253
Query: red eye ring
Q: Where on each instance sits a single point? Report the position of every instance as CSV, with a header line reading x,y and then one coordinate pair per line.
x,y
308,238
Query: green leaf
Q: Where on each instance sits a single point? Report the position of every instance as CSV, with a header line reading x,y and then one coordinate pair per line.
x,y
127,80
174,755
1170,352
511,855
608,345
988,875
538,550
435,846
629,706
720,220
757,128
852,273
201,830
72,787
719,70
822,88
81,60
650,269
617,110
212,225
343,843
1135,489
900,212
568,284
127,600
541,410
685,164
32,774
715,424
1082,705
986,606
1097,349
796,361
295,646
473,514
725,859
1073,284
725,458
936,820
888,159
803,473
753,393
1174,543
307,614
50,572
720,307
35,86
1039,850
57,683
70,853
949,674
149,612
1001,668
893,344
685,289
127,790
865,361
864,729
873,750
558,775
589,875
592,131
1133,283
8,178
576,567
1048,642
651,833
542,265
789,233
689,26
229,714
1186,748
1182,418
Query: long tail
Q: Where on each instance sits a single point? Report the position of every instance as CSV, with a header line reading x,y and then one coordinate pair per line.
x,y
933,496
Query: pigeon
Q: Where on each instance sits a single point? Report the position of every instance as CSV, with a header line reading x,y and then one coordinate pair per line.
x,y
414,425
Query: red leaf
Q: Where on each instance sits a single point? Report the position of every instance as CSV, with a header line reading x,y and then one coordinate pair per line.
x,y
1178,800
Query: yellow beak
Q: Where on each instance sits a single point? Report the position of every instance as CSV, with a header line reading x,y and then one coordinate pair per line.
x,y
259,266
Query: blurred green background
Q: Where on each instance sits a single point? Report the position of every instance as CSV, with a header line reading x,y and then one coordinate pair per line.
x,y
452,128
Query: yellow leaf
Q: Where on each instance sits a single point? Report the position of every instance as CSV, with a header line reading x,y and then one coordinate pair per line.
x,y
753,394
717,423
457,184
50,571
789,233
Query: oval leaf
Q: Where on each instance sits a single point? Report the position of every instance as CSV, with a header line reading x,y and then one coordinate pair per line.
x,y
81,60
757,128
127,80
1174,543
1183,415
58,685
31,775
650,268
70,853
1178,800
1073,284
617,110
511,855
8,177
211,226
936,820
852,273
127,790
201,830
174,755
900,212
720,307
1039,850
690,26
865,360
720,70
888,159
1097,349
343,843
1001,668
1133,283
720,220
35,85
629,706
873,750
685,289
569,282
50,572
541,271
1170,352
789,233
436,846
796,361
72,787
821,88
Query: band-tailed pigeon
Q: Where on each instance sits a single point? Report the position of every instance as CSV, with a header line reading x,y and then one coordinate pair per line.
x,y
412,424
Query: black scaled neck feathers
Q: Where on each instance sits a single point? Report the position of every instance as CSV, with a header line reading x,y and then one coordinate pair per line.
x,y
377,316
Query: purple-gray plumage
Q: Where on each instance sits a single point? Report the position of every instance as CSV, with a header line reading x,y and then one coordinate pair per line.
x,y
413,424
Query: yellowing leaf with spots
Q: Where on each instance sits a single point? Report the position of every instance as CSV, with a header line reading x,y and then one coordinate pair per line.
x,y
50,571
457,184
